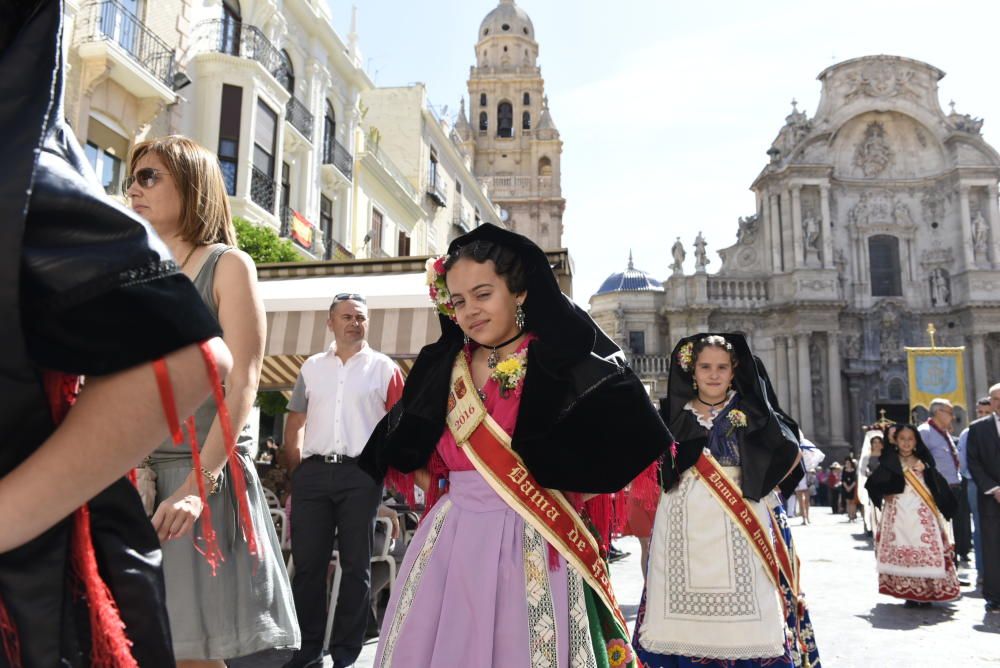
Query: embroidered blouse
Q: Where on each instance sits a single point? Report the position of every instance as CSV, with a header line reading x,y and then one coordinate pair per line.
x,y
722,436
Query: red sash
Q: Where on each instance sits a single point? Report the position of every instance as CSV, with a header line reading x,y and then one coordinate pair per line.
x,y
489,449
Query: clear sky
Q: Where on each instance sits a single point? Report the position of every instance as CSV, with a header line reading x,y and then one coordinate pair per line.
x,y
666,108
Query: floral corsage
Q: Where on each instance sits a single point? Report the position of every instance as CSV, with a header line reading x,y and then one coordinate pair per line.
x,y
437,288
510,372
619,653
737,420
685,356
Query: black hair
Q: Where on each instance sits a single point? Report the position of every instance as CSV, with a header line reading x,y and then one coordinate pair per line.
x,y
508,263
983,401
713,341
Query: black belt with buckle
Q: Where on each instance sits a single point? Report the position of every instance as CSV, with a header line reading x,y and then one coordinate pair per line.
x,y
334,459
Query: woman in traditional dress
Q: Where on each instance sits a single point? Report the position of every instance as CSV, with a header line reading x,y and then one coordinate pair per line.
x,y
235,599
913,549
710,599
868,461
87,289
518,411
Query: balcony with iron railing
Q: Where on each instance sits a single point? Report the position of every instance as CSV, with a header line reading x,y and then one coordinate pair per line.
x,y
299,117
336,155
243,41
262,189
119,42
436,191
461,218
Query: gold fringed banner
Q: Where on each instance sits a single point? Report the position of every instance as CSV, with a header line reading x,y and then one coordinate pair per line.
x,y
934,373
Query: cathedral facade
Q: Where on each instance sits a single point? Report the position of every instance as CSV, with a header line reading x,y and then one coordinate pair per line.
x,y
508,130
875,217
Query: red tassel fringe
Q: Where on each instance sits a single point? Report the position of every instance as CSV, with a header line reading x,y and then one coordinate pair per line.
x,y
402,483
237,475
11,641
211,551
110,647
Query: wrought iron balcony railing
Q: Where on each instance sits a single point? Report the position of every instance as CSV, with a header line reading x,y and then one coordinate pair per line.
x,y
338,156
109,20
286,221
244,41
298,115
436,191
262,189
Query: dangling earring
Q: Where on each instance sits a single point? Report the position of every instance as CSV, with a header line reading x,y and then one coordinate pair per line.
x,y
519,317
465,339
694,385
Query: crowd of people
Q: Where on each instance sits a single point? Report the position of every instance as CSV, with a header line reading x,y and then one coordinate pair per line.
x,y
519,428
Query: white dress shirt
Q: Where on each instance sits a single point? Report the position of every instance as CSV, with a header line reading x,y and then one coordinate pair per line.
x,y
343,402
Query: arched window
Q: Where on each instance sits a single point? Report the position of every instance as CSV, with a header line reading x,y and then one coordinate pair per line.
x,y
482,99
883,258
544,166
484,123
505,120
527,99
329,134
286,75
526,120
229,33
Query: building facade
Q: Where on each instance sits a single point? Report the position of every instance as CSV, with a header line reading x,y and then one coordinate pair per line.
x,y
270,87
875,217
508,128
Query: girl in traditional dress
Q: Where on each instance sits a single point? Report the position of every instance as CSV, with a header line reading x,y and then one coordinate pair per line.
x,y
521,408
711,598
235,599
913,549
868,461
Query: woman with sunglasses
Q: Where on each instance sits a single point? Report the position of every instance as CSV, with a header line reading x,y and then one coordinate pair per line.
x,y
245,605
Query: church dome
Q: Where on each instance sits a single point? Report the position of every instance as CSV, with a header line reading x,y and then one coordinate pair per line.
x,y
630,280
507,19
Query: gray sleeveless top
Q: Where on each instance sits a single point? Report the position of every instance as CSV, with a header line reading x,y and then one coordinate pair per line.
x,y
204,281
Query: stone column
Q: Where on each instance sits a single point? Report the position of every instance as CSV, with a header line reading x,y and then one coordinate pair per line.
x,y
994,216
782,384
775,235
805,414
794,389
969,253
836,391
826,231
980,381
798,249
787,263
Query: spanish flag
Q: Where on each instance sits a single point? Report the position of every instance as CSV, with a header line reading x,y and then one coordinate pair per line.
x,y
302,230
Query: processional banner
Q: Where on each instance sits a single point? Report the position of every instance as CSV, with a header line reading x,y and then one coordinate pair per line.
x,y
934,373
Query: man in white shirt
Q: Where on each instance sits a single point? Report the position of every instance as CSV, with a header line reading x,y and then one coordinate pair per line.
x,y
984,464
339,398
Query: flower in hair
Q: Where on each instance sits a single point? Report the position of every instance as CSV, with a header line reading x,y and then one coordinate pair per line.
x,y
685,356
437,288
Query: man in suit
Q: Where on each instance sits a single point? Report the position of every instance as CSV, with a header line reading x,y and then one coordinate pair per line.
x,y
984,464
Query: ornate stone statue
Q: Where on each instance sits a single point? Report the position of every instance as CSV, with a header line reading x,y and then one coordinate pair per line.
x,y
701,257
747,232
677,250
810,236
901,214
980,233
872,155
940,288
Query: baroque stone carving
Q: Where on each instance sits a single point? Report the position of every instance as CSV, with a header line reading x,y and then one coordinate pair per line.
x,y
932,204
810,236
980,234
882,81
873,154
701,256
940,284
880,207
747,232
677,251
889,347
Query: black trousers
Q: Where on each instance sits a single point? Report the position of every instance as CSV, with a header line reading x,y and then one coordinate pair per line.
x,y
961,523
989,535
329,498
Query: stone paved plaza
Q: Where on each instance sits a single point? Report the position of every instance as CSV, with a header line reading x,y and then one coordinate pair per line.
x,y
855,625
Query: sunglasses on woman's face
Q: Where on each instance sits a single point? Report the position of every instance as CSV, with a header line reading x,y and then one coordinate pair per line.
x,y
147,177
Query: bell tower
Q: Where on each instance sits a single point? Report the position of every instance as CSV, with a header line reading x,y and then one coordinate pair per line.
x,y
516,147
